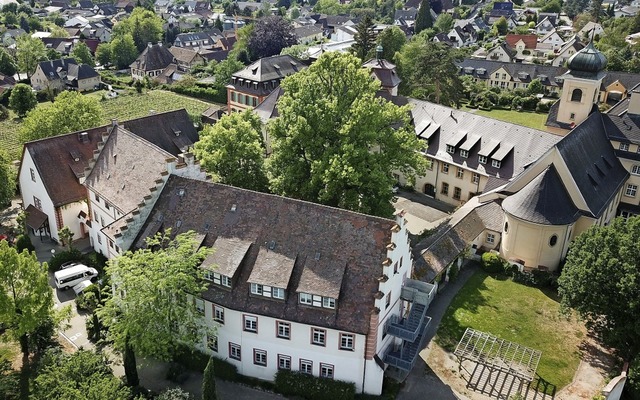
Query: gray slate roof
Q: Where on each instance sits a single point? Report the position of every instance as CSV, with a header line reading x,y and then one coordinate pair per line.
x,y
544,200
50,68
519,72
153,57
300,230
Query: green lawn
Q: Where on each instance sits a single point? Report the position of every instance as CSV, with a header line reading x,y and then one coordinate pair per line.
x,y
525,118
129,105
525,315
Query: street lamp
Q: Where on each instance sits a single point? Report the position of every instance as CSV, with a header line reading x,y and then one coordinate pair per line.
x,y
53,252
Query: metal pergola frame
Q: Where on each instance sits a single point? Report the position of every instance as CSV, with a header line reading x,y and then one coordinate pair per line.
x,y
498,354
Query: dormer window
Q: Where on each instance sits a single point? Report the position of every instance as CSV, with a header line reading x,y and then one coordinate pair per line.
x,y
451,149
464,153
496,163
217,278
624,146
482,159
317,301
267,291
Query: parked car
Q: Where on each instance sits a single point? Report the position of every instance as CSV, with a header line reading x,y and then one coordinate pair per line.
x,y
68,264
80,287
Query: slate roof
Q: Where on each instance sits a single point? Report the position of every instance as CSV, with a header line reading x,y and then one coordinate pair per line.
x,y
444,123
307,31
384,71
300,230
591,160
82,71
227,255
121,175
50,68
407,15
544,200
268,108
171,131
153,57
519,72
268,70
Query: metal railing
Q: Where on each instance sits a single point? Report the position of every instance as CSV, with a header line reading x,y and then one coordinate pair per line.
x,y
418,292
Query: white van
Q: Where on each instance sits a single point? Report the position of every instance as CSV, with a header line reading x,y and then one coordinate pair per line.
x,y
71,276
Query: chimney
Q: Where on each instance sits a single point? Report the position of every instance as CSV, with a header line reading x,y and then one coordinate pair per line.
x,y
114,122
634,103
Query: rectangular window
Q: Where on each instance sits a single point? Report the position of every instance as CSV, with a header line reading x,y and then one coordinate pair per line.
x,y
306,367
283,330
318,336
277,293
256,289
328,302
95,195
37,203
388,300
457,192
260,357
459,173
491,238
445,189
250,323
218,314
33,174
631,190
212,343
635,169
235,351
284,362
475,177
326,371
496,163
445,168
99,238
624,146
451,149
464,153
306,298
200,306
106,205
482,159
346,341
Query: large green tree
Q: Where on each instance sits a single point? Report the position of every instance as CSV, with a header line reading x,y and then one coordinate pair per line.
x,y
601,282
429,72
335,142
29,52
269,36
22,99
364,39
143,25
83,375
7,65
123,51
152,311
233,152
7,179
70,112
444,23
82,54
103,53
26,299
391,39
424,19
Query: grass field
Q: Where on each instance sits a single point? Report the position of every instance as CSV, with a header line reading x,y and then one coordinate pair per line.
x,y
518,313
530,119
128,105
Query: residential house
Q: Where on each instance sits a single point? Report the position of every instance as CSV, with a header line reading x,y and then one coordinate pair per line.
x,y
152,62
501,53
186,58
6,82
462,35
627,11
60,74
523,45
308,34
251,85
553,40
444,38
568,49
590,30
197,39
546,25
344,33
10,35
52,171
281,296
125,5
106,9
502,9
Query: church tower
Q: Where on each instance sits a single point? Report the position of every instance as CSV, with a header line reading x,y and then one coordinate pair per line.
x,y
581,85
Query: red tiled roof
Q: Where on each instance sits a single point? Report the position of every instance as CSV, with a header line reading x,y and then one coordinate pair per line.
x,y
530,41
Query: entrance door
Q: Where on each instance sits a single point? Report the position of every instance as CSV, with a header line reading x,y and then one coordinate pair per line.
x,y
430,190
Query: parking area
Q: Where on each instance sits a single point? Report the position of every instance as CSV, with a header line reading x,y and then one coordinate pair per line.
x,y
422,212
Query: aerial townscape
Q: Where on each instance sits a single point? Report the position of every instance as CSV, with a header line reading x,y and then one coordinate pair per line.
x,y
322,199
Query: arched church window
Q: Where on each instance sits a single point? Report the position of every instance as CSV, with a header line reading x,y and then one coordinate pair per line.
x,y
576,95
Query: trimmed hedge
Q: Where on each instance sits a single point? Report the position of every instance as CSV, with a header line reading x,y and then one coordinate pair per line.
x,y
293,383
201,93
197,361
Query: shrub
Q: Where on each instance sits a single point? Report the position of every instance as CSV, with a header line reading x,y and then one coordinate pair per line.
x,y
201,93
526,278
4,113
492,263
95,260
197,361
87,299
530,103
453,272
63,257
293,383
542,107
24,242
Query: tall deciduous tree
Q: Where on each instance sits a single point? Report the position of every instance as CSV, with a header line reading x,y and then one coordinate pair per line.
x,y
391,39
7,179
22,99
29,52
123,51
26,299
209,382
335,142
82,375
143,25
233,152
269,36
443,23
429,72
82,54
601,282
424,19
103,53
364,39
70,112
224,70
152,311
7,65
